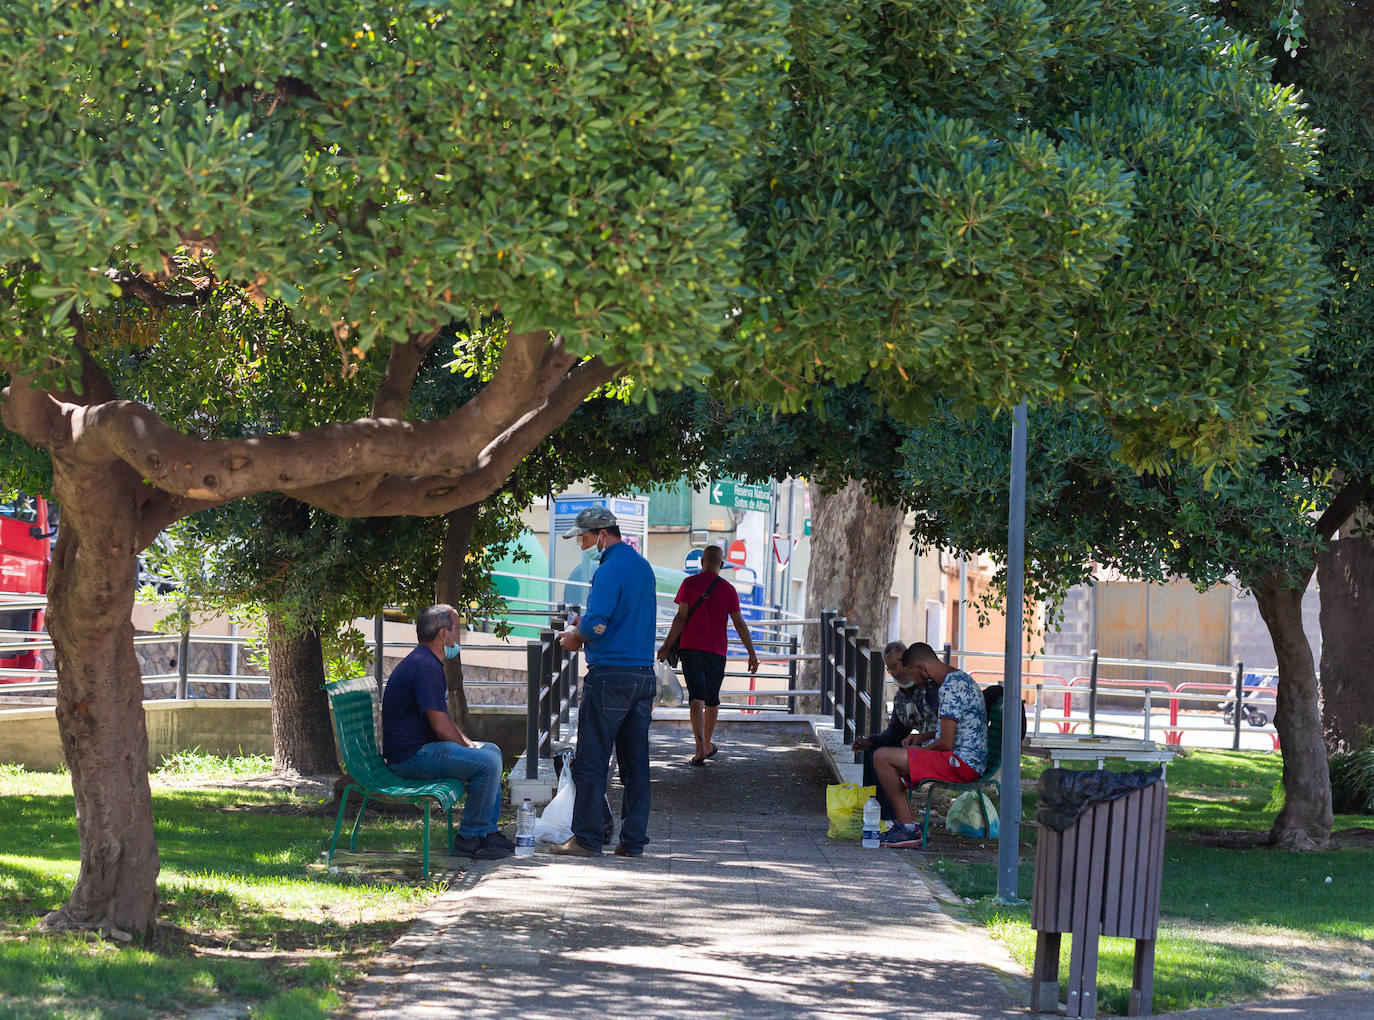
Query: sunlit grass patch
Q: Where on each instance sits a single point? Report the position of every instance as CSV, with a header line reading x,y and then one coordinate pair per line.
x,y
248,913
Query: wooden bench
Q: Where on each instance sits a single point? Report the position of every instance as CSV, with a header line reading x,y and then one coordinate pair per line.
x,y
352,703
987,779
1100,876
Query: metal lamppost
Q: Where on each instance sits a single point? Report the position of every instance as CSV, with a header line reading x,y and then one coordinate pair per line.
x,y
1009,835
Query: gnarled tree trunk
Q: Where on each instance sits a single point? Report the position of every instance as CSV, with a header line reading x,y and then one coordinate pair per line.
x,y
302,735
1345,573
448,587
100,702
853,548
1304,823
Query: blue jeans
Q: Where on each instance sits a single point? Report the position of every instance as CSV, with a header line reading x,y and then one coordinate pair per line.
x,y
478,767
615,713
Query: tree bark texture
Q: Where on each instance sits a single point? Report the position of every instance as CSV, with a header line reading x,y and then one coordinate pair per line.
x,y
1345,574
853,547
302,734
448,588
100,703
1304,823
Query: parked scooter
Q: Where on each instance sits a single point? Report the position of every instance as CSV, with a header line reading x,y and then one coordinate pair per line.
x,y
1258,699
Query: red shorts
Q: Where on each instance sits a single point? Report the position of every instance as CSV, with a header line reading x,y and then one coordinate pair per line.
x,y
924,763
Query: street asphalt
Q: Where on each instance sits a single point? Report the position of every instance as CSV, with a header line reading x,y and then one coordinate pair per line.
x,y
740,907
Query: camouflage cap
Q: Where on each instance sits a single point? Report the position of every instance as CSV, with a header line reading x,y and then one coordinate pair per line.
x,y
590,519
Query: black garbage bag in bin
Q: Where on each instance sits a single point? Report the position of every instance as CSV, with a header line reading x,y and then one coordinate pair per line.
x,y
1067,793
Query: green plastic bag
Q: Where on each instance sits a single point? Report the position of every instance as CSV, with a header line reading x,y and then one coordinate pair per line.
x,y
964,818
844,804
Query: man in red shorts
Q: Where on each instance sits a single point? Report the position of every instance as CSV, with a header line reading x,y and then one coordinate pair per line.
x,y
958,753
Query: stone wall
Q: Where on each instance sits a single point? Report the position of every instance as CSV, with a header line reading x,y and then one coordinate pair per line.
x,y
1074,636
1250,642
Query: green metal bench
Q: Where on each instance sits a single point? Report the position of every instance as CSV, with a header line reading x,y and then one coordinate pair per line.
x,y
984,781
352,703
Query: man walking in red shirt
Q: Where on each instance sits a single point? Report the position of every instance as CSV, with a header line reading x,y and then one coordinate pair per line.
x,y
705,601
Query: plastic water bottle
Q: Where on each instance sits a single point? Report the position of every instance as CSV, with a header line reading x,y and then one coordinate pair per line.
x,y
524,830
871,814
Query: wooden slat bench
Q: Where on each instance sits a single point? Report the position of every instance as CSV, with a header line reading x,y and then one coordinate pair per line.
x,y
353,707
1100,876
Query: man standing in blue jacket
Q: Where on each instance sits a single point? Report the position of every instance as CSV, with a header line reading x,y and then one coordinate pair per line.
x,y
617,633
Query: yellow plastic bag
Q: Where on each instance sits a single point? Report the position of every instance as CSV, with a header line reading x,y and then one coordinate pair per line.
x,y
844,804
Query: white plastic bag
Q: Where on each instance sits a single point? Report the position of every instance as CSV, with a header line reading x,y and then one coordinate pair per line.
x,y
555,822
669,691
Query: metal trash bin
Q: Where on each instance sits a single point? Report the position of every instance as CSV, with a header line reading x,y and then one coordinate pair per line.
x,y
1097,874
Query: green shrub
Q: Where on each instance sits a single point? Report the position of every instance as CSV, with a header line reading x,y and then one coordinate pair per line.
x,y
1352,782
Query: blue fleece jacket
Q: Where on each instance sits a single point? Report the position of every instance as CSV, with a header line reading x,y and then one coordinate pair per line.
x,y
622,610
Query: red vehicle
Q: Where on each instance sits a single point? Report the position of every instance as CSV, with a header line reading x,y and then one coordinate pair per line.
x,y
25,550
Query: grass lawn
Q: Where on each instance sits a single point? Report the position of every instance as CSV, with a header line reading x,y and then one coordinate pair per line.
x,y
249,916
1238,921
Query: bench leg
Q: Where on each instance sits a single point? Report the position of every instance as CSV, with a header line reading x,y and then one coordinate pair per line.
x,y
338,823
357,824
925,825
1143,979
982,810
1044,997
426,839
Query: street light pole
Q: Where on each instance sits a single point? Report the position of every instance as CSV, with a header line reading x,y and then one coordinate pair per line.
x,y
1009,836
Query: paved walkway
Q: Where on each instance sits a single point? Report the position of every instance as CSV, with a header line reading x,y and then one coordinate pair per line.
x,y
741,907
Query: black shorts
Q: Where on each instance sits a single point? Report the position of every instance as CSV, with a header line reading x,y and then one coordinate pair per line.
x,y
704,673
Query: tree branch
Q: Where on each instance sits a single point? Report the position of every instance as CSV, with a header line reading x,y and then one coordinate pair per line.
x,y
340,459
154,297
393,392
426,495
515,381
1345,504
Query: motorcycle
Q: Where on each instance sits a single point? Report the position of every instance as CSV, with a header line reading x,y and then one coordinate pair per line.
x,y
1257,700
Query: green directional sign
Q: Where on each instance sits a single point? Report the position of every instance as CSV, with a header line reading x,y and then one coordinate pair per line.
x,y
742,495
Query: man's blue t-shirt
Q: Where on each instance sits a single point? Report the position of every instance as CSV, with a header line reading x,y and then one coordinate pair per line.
x,y
622,610
414,687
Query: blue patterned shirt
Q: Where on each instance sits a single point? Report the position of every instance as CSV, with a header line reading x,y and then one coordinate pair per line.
x,y
962,700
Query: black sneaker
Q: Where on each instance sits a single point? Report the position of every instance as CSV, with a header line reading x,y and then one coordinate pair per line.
x,y
901,837
478,848
496,838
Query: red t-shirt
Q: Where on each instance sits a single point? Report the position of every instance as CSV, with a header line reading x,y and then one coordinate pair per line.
x,y
705,631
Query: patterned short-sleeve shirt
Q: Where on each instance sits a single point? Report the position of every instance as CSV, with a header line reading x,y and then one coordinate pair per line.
x,y
962,701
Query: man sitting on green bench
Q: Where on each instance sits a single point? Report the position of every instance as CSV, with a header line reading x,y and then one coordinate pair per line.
x,y
957,754
421,741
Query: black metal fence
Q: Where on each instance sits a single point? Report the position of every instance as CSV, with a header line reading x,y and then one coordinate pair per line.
x,y
553,676
851,680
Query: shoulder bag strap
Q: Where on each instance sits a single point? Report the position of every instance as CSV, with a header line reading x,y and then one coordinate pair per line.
x,y
700,599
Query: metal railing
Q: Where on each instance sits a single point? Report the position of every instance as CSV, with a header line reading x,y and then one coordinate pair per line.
x,y
553,679
852,675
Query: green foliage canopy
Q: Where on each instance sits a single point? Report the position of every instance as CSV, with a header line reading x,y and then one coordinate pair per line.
x,y
380,170
1019,200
